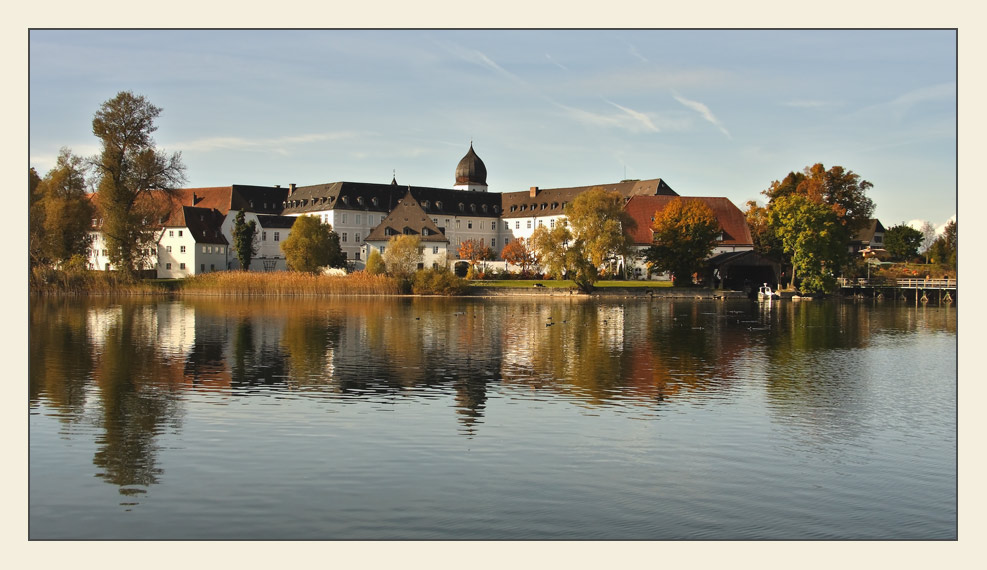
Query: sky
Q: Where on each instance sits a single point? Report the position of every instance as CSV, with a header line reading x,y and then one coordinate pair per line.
x,y
711,112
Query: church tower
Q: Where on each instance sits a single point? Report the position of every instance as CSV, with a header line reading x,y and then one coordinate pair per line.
x,y
471,174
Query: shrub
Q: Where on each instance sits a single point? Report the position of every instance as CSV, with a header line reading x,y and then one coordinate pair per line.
x,y
438,281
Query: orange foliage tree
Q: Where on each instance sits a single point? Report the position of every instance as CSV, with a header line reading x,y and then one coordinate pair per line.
x,y
518,253
474,251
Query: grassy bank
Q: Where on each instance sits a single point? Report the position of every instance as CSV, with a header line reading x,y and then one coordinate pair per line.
x,y
287,283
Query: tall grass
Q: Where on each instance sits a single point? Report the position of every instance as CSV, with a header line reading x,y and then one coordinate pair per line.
x,y
74,281
287,284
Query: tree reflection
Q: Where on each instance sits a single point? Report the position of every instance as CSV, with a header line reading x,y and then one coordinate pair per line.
x,y
136,400
60,357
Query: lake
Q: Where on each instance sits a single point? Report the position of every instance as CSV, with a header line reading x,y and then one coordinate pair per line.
x,y
492,419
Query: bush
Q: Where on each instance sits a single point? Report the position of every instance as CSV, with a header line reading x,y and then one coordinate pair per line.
x,y
438,281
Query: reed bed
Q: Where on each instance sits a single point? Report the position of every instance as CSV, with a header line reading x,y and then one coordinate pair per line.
x,y
287,284
48,281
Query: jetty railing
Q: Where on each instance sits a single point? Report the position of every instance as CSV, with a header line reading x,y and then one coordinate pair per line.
x,y
905,283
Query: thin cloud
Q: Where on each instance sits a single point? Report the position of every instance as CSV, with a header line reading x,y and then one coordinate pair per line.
x,y
634,52
277,144
637,116
704,111
628,119
552,59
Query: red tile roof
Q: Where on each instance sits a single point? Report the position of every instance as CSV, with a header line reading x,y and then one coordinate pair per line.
x,y
643,208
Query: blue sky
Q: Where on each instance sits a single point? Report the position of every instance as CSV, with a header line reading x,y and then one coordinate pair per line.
x,y
712,112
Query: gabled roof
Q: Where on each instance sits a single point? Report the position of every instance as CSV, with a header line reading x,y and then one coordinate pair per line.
x,y
732,221
552,201
205,224
866,234
407,218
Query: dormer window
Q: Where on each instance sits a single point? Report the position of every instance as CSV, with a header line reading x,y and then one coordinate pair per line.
x,y
374,201
462,207
425,205
484,207
473,208
359,200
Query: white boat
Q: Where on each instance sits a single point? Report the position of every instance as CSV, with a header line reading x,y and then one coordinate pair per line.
x,y
766,294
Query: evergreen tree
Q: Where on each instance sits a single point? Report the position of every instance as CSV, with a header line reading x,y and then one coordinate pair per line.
x,y
244,240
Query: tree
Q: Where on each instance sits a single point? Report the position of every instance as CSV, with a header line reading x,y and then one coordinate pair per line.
x,y
312,245
474,251
902,242
129,170
60,213
812,235
928,238
551,246
600,223
244,239
840,189
375,263
766,243
518,253
403,255
943,250
684,235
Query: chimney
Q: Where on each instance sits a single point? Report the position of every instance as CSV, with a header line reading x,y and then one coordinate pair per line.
x,y
533,192
291,189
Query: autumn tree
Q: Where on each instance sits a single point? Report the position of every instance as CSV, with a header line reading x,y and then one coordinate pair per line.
x,y
684,235
518,253
474,251
813,237
375,263
766,243
402,256
902,242
551,246
244,240
600,224
129,169
943,250
60,213
311,246
841,189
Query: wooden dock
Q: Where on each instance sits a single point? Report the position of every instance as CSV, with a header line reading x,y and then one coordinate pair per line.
x,y
919,290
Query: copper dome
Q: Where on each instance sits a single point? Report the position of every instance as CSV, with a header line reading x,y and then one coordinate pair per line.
x,y
471,169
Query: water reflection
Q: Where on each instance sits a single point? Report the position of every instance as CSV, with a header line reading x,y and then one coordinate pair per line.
x,y
129,366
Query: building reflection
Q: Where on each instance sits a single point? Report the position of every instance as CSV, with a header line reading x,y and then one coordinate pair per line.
x,y
131,366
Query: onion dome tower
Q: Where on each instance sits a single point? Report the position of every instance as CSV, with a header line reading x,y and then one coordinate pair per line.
x,y
471,173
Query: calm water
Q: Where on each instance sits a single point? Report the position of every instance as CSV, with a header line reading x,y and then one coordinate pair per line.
x,y
475,419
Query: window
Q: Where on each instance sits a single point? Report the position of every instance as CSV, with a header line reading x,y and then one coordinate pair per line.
x,y
541,223
358,253
182,250
457,224
167,266
358,219
277,236
356,238
203,249
344,237
202,267
469,224
435,250
212,266
179,233
171,233
551,223
507,225
263,236
167,248
529,224
342,218
181,266
505,241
